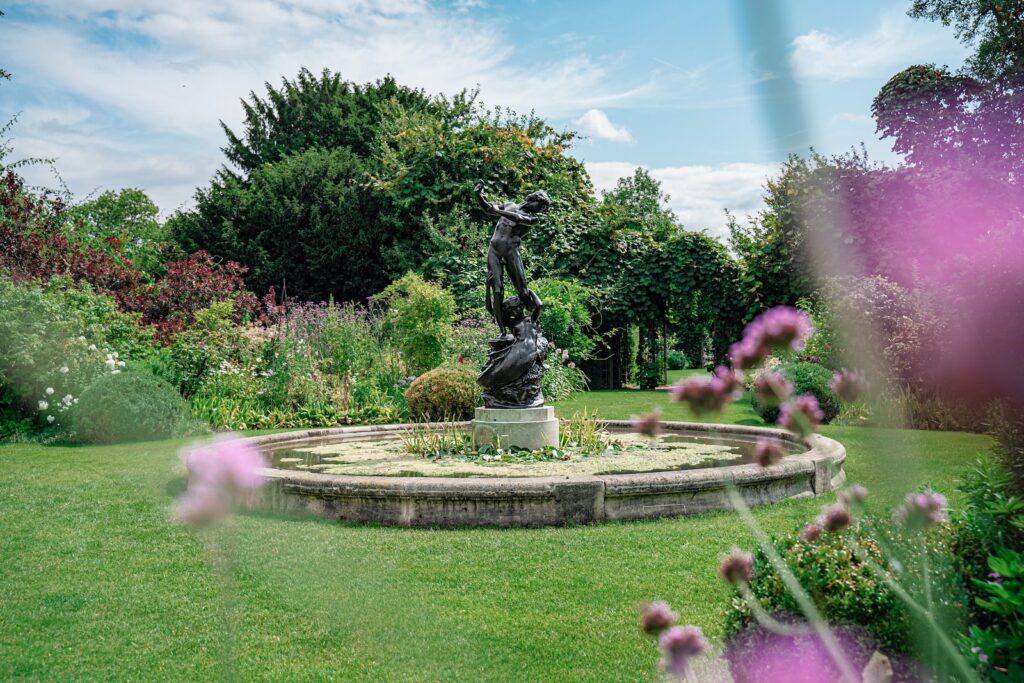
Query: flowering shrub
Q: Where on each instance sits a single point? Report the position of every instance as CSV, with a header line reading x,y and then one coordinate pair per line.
x,y
55,343
443,394
130,406
846,591
419,318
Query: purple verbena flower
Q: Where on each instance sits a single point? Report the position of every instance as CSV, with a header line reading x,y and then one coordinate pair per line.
x,y
811,532
835,518
777,328
737,567
678,644
219,471
923,510
771,388
649,424
855,494
849,385
656,617
709,394
768,451
801,414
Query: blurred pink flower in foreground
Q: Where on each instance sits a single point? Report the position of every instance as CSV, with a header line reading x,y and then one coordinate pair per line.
x,y
801,414
782,327
709,394
737,567
219,472
772,388
649,424
849,385
922,510
768,451
678,645
656,617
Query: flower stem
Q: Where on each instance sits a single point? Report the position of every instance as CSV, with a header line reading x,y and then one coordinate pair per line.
x,y
963,670
767,620
803,600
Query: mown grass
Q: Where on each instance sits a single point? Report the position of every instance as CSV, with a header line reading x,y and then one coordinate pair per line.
x,y
98,584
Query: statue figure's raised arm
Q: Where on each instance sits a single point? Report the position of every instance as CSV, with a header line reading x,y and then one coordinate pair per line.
x,y
495,209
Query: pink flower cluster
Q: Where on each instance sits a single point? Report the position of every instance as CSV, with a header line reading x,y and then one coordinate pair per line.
x,y
649,424
849,385
656,617
922,510
737,567
836,517
771,388
710,394
678,645
801,415
768,451
219,471
777,328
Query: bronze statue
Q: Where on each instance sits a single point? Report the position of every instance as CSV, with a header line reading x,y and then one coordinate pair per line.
x,y
503,257
515,364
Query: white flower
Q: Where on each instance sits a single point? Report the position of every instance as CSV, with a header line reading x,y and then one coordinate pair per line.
x,y
81,338
50,418
67,399
115,354
120,363
115,372
49,391
64,369
497,457
92,347
76,401
109,357
43,405
110,363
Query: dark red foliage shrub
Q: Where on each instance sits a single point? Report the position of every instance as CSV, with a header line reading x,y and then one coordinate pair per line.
x,y
31,247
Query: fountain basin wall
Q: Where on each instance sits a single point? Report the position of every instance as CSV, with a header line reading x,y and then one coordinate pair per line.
x,y
551,500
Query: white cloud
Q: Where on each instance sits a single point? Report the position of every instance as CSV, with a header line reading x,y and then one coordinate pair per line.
x,y
176,69
699,194
595,122
897,42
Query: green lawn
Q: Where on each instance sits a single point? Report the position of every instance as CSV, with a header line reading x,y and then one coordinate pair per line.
x,y
99,585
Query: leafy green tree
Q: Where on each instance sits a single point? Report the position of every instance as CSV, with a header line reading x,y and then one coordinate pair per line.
x,y
130,217
298,222
420,318
994,27
324,112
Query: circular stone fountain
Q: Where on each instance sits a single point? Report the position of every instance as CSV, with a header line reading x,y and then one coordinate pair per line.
x,y
363,474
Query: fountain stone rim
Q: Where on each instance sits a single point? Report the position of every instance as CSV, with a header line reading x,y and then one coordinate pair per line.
x,y
539,501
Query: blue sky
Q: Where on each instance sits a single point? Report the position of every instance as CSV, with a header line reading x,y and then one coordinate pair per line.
x,y
129,92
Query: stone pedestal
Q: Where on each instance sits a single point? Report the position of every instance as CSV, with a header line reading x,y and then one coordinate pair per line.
x,y
529,428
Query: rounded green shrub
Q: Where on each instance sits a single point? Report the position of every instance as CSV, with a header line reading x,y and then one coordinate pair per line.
x,y
130,406
807,378
443,394
677,360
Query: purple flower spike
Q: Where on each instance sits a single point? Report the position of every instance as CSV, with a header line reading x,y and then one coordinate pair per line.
x,y
801,415
678,645
923,510
649,424
737,567
657,617
768,451
771,388
849,385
